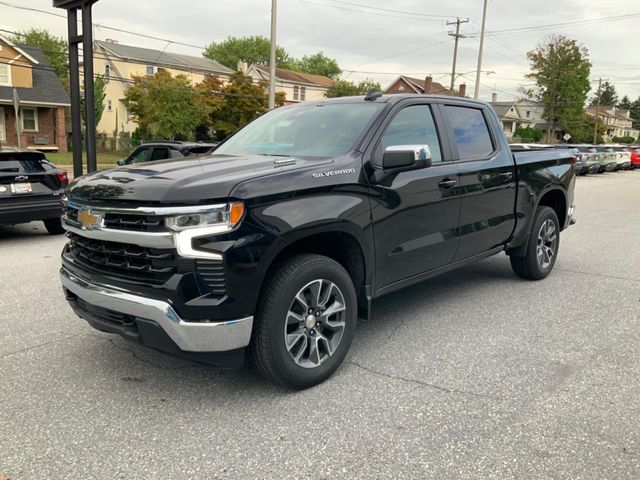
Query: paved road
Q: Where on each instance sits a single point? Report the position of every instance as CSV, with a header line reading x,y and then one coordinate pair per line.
x,y
475,374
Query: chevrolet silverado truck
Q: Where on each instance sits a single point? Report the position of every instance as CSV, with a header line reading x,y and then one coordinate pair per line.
x,y
274,245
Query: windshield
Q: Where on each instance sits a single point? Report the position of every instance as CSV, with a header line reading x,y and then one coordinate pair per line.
x,y
310,130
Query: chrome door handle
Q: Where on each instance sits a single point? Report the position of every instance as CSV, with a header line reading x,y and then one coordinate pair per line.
x,y
506,176
447,184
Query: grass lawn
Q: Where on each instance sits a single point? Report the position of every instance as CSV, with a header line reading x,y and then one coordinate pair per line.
x,y
105,160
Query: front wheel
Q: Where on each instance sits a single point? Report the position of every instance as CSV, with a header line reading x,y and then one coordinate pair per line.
x,y
542,250
54,226
305,323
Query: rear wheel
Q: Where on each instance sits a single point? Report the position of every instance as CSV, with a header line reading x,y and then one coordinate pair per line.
x,y
306,321
542,249
53,226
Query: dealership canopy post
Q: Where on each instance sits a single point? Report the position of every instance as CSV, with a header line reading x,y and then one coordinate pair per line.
x,y
86,38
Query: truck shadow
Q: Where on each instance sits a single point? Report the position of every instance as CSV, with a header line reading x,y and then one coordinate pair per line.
x,y
390,317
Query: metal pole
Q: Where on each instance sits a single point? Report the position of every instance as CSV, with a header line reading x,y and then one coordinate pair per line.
x,y
476,91
74,84
87,62
457,36
595,120
272,56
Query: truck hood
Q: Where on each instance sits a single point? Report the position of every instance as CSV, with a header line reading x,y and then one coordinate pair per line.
x,y
182,181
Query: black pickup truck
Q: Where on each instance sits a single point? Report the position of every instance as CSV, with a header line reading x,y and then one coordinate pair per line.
x,y
278,242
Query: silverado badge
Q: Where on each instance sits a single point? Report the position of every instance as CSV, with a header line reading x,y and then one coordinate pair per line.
x,y
89,221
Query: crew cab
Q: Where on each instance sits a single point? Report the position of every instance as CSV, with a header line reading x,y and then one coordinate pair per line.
x,y
31,189
279,241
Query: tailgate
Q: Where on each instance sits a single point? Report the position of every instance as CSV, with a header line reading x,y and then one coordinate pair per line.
x,y
27,175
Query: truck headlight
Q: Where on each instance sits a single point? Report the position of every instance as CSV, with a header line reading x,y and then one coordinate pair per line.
x,y
225,216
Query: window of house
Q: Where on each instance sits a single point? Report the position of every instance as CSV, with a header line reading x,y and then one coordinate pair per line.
x,y
109,106
413,125
528,114
303,92
151,70
107,72
5,75
295,92
471,132
29,119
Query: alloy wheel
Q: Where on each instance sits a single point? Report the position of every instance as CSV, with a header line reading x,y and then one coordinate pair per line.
x,y
315,323
547,243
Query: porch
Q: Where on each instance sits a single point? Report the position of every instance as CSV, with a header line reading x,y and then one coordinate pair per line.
x,y
41,127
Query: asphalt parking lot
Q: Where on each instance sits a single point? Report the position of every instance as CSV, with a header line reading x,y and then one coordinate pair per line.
x,y
475,374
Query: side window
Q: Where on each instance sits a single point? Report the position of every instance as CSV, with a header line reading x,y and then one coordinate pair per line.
x,y
413,125
159,153
471,132
138,156
176,154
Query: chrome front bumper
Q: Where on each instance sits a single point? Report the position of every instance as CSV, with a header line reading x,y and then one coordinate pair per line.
x,y
188,336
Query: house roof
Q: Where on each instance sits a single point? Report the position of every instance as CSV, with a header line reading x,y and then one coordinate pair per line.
x,y
611,112
503,110
47,89
418,85
18,48
162,58
296,77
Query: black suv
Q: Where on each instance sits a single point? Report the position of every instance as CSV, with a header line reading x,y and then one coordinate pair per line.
x,y
161,150
31,189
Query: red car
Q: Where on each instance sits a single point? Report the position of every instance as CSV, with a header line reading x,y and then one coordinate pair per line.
x,y
635,156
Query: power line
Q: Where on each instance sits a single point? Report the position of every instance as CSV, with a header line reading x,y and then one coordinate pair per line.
x,y
107,27
392,10
368,13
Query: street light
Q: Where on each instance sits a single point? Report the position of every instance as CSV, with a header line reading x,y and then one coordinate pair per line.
x,y
476,90
272,56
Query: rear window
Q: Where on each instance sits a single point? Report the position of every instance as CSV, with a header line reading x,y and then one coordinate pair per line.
x,y
471,132
23,162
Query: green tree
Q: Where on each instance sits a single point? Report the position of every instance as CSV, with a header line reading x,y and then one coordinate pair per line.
x,y
235,104
165,106
560,68
253,49
635,113
344,88
55,49
581,130
529,134
99,95
625,103
607,93
319,64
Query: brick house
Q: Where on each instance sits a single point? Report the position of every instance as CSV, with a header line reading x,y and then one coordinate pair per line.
x,y
42,100
297,86
404,84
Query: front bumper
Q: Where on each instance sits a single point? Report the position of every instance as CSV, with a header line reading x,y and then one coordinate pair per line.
x,y
142,312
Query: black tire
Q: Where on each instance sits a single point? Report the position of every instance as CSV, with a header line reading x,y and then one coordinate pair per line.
x,y
54,226
529,266
268,346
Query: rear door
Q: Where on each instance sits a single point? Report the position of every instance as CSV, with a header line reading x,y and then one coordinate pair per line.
x,y
415,212
487,179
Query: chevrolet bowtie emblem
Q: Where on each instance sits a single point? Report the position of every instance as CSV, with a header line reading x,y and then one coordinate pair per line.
x,y
89,221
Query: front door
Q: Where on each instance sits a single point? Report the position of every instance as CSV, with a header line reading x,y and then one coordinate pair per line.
x,y
415,212
487,181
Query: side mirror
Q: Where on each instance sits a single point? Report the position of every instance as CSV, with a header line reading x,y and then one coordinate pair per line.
x,y
122,162
406,156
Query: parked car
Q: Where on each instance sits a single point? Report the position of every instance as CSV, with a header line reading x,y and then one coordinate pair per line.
x,y
30,189
607,158
635,156
623,157
590,158
579,166
161,150
282,238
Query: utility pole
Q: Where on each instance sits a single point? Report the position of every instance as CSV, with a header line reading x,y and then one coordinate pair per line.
x,y
457,36
272,56
476,91
595,120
